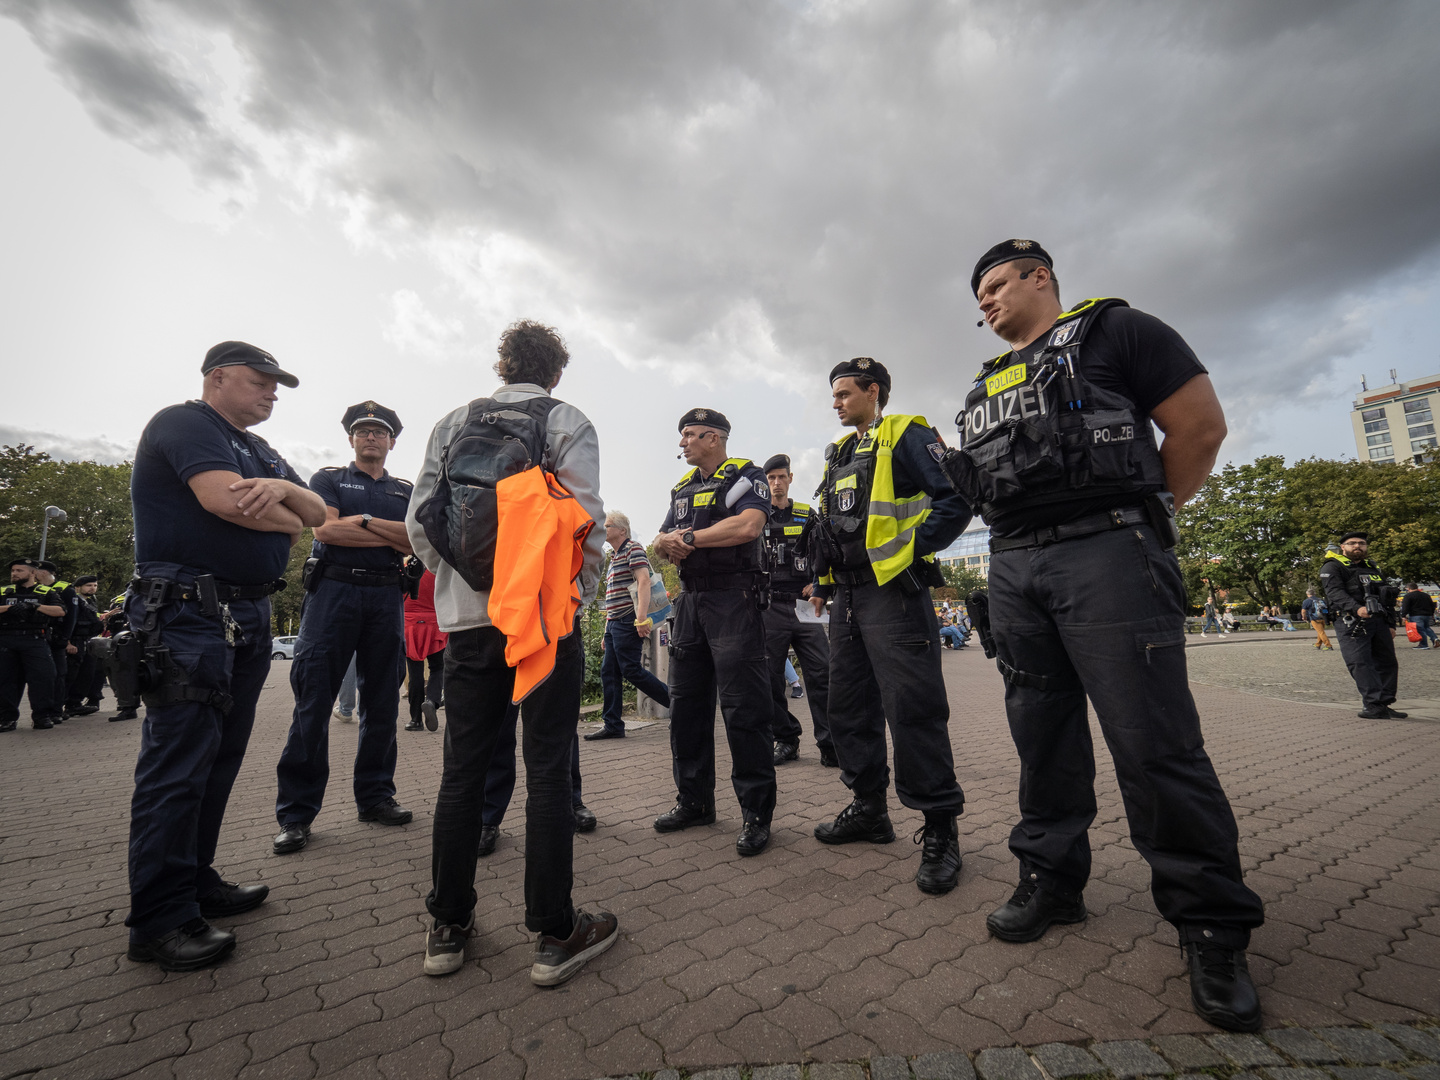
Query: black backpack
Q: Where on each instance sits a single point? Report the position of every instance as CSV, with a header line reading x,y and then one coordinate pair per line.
x,y
498,439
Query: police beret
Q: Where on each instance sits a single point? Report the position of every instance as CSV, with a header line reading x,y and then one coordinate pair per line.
x,y
779,461
46,564
85,579
1355,536
232,353
33,564
1007,251
705,418
861,367
370,412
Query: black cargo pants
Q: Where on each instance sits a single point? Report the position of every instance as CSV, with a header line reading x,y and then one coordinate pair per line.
x,y
1371,659
783,629
1104,615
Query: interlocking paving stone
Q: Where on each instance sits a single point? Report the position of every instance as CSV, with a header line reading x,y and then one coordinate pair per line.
x,y
1130,1057
667,1074
1061,1060
839,1070
1416,1040
1423,1072
1188,1052
1009,1063
728,1073
776,1072
1304,1046
1363,1072
946,1065
1361,1045
1245,1050
889,1067
1274,1072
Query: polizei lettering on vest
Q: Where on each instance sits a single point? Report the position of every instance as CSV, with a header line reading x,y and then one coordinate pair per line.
x,y
1016,403
1117,433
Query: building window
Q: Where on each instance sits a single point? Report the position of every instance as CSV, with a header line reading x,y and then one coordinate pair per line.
x,y
1377,425
1379,452
1422,430
1373,414
1422,444
1420,404
1377,440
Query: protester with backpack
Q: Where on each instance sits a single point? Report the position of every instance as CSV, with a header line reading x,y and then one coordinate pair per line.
x,y
460,525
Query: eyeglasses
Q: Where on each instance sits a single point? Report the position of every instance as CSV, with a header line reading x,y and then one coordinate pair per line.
x,y
370,433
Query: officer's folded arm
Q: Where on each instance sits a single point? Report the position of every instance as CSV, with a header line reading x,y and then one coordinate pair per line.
x,y
350,532
746,525
1194,426
265,505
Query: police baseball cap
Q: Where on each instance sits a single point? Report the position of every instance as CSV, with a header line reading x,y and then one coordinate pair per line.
x,y
33,564
861,367
370,412
85,579
1007,251
240,353
705,418
779,461
1355,536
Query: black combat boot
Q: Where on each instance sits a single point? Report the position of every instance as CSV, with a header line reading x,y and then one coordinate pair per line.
x,y
1031,911
864,819
1220,986
939,853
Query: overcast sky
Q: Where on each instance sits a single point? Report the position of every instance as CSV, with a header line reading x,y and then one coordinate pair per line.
x,y
714,203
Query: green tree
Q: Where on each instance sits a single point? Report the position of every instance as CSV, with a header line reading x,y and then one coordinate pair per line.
x,y
960,582
285,605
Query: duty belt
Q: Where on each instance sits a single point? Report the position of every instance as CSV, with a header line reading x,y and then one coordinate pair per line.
x,y
1085,526
22,631
160,591
865,576
361,577
705,582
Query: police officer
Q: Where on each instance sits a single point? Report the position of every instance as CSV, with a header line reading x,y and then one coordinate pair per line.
x,y
1086,597
354,607
792,580
47,574
1364,607
83,678
216,513
28,610
885,509
116,623
712,532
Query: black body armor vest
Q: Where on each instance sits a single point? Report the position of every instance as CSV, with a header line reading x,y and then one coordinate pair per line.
x,y
1037,431
699,503
787,541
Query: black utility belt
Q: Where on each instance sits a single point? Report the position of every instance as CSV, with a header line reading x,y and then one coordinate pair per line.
x,y
784,597
360,577
854,577
706,582
28,631
1072,530
159,591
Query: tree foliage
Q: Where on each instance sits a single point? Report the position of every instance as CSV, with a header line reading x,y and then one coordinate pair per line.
x,y
960,582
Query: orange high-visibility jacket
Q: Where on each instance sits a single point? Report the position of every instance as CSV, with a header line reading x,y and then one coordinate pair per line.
x,y
538,556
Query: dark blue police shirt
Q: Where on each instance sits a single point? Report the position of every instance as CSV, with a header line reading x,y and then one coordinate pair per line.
x,y
171,526
352,491
755,495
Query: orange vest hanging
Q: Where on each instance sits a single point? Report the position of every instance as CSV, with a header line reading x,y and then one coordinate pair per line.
x,y
538,556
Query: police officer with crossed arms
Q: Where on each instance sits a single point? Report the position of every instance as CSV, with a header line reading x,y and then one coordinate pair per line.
x,y
1086,597
712,532
28,610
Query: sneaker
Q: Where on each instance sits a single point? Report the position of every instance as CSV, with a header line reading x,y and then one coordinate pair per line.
x,y
340,714
445,946
558,960
796,690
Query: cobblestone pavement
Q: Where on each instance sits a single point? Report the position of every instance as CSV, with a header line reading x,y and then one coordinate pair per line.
x,y
804,954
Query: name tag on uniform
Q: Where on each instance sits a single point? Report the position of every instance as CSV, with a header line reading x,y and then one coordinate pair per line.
x,y
704,498
794,530
845,482
1003,380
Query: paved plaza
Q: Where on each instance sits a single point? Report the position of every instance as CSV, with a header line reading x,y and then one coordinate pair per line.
x,y
806,954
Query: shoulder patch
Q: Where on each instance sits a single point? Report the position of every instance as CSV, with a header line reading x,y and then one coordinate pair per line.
x,y
937,450
762,489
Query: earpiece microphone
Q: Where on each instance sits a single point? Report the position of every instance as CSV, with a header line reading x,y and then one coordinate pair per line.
x,y
980,323
679,457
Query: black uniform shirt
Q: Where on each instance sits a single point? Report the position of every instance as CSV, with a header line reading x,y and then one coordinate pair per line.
x,y
353,491
26,618
1126,352
754,494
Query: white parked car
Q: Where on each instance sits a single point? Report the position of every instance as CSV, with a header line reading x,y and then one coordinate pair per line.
x,y
283,648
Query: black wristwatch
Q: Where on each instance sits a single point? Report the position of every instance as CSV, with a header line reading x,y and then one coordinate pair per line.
x,y
689,538
365,520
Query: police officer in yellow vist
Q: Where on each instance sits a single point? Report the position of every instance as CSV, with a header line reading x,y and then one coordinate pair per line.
x,y
885,509
712,532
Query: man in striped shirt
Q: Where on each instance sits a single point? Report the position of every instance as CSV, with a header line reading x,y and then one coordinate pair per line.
x,y
625,628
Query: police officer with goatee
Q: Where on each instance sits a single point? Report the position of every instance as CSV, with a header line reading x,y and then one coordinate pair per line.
x,y
1363,605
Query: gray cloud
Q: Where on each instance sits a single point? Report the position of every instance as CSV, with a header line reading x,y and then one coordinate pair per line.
x,y
765,188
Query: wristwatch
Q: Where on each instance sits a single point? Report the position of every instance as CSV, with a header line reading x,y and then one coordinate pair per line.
x,y
365,520
689,538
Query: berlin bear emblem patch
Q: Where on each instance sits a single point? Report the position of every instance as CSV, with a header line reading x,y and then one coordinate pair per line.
x,y
847,500
682,509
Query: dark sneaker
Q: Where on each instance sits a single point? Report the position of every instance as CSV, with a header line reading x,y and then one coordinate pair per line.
x,y
785,751
939,855
558,960
1031,911
1220,987
1396,714
191,947
431,715
445,946
753,838
584,818
682,816
292,838
489,837
864,819
796,691
387,812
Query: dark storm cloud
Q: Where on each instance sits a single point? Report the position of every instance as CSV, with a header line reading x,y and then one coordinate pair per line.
x,y
824,176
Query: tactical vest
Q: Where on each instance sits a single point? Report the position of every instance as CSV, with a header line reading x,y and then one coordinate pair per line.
x,y
788,546
27,618
1353,579
866,522
1037,431
700,502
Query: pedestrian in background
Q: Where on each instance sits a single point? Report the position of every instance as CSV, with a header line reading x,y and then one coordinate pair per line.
x,y
626,628
1313,609
424,646
1419,608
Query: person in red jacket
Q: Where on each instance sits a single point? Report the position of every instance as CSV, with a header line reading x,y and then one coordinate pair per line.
x,y
424,645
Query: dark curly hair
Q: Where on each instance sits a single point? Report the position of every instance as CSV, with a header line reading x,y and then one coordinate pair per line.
x,y
531,352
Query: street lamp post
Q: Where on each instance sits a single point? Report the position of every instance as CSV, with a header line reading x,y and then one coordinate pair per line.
x,y
50,512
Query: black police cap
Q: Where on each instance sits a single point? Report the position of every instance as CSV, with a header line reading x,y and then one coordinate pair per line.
x,y
242,353
85,579
705,418
47,565
1007,251
779,461
1355,536
370,412
33,564
861,367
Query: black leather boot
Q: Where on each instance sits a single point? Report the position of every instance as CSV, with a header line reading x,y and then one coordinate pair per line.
x,y
1220,986
939,854
864,819
1031,911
